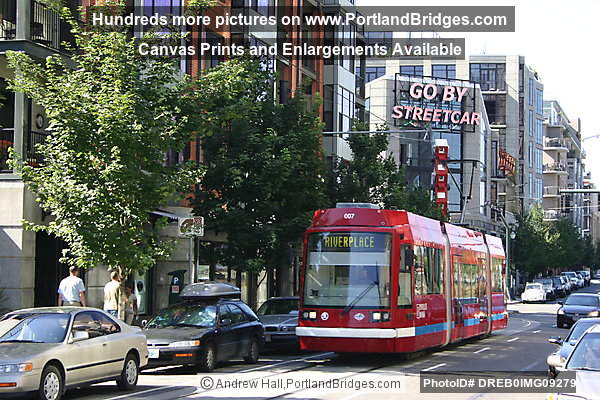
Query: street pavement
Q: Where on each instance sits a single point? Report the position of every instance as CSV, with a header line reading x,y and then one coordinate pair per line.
x,y
521,348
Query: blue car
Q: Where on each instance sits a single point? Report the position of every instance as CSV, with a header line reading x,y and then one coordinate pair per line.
x,y
556,361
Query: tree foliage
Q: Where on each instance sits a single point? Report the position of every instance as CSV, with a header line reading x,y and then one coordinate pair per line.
x,y
265,165
113,114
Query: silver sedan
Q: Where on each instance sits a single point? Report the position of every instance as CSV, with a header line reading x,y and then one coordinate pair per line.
x,y
48,350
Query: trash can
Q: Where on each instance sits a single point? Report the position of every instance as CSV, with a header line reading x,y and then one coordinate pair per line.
x,y
176,285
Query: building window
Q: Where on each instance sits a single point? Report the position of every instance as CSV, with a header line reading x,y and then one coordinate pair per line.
x,y
539,131
214,40
411,70
539,101
489,76
345,104
380,38
373,73
531,184
495,106
531,92
531,123
341,35
530,155
443,71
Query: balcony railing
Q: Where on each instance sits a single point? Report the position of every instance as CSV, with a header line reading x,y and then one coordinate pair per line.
x,y
551,191
8,19
555,167
555,142
46,26
32,155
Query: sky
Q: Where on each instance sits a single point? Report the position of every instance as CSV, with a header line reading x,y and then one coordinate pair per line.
x,y
560,40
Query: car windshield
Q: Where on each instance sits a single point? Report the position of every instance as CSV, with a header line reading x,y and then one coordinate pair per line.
x,y
587,353
185,315
348,269
591,301
281,306
557,281
569,274
533,286
580,326
38,328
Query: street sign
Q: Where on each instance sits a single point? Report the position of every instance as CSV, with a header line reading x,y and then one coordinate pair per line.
x,y
192,226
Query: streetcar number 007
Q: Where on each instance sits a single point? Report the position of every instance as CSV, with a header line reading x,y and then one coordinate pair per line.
x,y
348,215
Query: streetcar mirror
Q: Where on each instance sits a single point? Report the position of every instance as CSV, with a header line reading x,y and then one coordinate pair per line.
x,y
555,340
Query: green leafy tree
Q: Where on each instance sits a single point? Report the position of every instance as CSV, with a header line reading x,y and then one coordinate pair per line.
x,y
532,243
113,117
265,165
566,246
371,177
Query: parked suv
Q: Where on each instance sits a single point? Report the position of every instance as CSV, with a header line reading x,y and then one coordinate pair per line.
x,y
210,325
561,287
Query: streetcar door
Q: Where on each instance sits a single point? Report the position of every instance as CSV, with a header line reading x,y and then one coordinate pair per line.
x,y
457,303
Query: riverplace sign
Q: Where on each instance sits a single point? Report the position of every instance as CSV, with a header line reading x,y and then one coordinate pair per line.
x,y
452,95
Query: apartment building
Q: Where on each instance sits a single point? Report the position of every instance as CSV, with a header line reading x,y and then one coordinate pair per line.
x,y
512,95
591,210
563,166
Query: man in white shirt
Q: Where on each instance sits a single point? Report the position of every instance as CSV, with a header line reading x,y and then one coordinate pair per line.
x,y
112,294
71,291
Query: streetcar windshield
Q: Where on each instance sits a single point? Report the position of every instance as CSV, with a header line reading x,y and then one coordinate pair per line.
x,y
348,269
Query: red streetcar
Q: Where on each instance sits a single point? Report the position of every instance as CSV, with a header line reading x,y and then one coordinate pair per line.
x,y
391,281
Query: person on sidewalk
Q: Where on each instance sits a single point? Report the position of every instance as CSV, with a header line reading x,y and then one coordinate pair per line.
x,y
130,305
112,294
71,290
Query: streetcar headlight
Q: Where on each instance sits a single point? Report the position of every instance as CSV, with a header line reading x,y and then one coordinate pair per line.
x,y
385,316
312,315
376,316
305,315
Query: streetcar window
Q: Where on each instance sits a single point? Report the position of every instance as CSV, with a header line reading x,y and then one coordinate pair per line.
x,y
348,269
428,271
404,289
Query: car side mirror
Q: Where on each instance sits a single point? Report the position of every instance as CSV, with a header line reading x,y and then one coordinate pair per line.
x,y
225,322
78,336
144,323
556,340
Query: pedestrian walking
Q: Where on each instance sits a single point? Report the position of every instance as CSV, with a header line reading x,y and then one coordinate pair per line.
x,y
71,290
112,294
131,309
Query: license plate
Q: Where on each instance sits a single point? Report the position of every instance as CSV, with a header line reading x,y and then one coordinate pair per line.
x,y
153,353
267,338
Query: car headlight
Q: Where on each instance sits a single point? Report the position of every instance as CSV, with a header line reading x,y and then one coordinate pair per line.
x,y
15,368
560,311
185,343
594,314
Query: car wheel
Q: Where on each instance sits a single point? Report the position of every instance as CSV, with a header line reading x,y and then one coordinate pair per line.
x,y
129,374
51,384
208,358
252,355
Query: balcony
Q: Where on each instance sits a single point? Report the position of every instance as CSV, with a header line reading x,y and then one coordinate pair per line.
x,y
46,27
555,144
555,168
551,191
32,156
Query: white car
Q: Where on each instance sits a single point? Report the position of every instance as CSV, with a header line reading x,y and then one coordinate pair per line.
x,y
533,292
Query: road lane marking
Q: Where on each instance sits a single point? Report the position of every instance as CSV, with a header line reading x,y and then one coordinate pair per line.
x,y
537,331
481,350
434,367
283,363
513,339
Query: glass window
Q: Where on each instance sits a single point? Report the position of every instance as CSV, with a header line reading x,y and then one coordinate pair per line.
x,y
215,40
237,315
373,73
530,158
539,101
444,71
531,123
586,354
107,325
411,70
497,277
348,269
380,38
95,324
495,106
39,328
405,287
277,307
489,76
190,315
531,92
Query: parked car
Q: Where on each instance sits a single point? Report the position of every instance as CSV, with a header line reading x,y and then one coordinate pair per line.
x,y
211,325
585,360
533,292
548,286
279,316
49,350
577,305
560,284
556,361
597,274
586,276
581,280
572,278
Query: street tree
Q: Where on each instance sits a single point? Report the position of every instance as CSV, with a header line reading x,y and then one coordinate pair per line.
x,y
113,115
532,243
265,166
